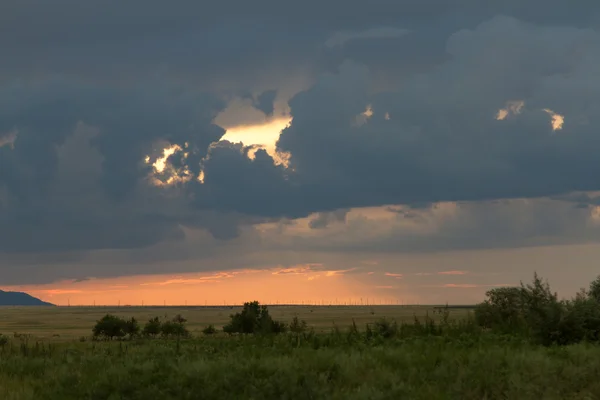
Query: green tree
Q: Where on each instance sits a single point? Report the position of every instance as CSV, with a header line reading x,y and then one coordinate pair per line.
x,y
174,328
594,291
110,326
253,318
152,327
132,328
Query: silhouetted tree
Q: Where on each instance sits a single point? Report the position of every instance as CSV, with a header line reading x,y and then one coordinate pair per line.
x,y
174,328
253,318
110,326
152,327
594,291
132,328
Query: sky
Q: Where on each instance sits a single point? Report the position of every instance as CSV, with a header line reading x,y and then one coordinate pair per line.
x,y
395,152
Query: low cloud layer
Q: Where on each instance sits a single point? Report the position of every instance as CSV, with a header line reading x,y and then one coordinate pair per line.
x,y
461,130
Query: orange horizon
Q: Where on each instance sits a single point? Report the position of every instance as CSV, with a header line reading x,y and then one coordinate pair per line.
x,y
309,284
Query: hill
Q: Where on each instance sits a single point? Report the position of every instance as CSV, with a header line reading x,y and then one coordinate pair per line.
x,y
20,299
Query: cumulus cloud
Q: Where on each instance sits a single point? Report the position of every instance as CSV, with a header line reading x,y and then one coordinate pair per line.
x,y
444,117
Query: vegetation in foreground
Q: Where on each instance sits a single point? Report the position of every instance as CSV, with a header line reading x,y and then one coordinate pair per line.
x,y
521,343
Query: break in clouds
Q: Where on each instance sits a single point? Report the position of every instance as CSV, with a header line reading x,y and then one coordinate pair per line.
x,y
469,126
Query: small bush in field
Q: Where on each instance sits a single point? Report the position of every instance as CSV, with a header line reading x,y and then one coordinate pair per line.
x,y
3,340
132,328
110,327
174,328
254,318
152,327
385,328
298,326
209,330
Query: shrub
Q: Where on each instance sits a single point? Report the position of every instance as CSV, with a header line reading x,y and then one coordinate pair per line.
x,y
535,310
109,327
253,318
503,310
209,330
3,340
174,328
152,327
298,326
385,328
594,292
132,328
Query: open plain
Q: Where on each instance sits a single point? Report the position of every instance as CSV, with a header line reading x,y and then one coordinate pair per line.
x,y
67,323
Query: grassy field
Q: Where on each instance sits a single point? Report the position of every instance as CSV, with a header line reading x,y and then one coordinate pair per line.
x,y
319,366
436,358
67,323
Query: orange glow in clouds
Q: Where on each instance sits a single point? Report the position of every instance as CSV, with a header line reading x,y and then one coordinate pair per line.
x,y
264,135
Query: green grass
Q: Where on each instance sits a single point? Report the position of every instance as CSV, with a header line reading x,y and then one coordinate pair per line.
x,y
434,360
324,366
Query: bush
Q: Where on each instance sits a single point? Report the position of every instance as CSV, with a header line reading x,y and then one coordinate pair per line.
x,y
503,310
385,328
209,330
109,327
594,292
298,326
152,327
132,328
3,340
535,310
253,319
174,328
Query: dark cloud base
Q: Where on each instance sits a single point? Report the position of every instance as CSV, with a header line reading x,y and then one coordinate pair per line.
x,y
89,103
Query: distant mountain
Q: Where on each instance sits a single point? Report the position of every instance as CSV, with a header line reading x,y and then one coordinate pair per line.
x,y
20,299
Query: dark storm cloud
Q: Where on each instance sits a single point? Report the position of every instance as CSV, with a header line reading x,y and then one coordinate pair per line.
x,y
265,102
118,62
235,42
98,200
438,138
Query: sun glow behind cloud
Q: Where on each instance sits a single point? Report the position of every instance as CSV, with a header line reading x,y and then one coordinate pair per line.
x,y
557,120
263,136
512,107
515,107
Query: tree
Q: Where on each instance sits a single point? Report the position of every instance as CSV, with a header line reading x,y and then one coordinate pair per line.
x,y
132,328
174,328
253,318
504,309
110,326
152,327
297,325
594,291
